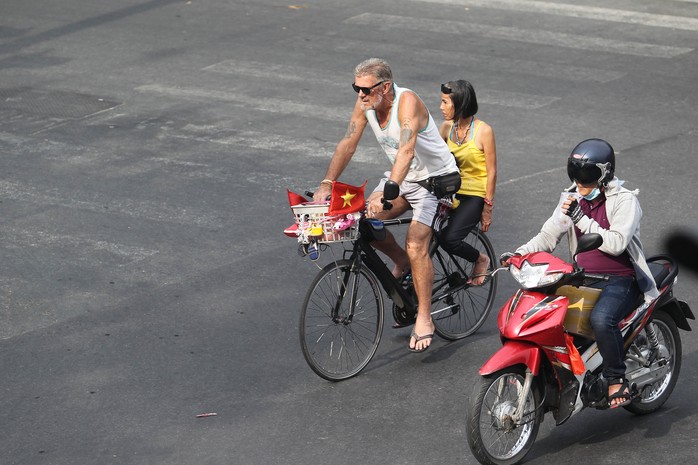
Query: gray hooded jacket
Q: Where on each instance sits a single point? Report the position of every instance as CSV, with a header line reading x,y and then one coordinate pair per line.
x,y
624,214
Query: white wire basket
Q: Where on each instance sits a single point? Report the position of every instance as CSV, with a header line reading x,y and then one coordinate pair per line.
x,y
316,224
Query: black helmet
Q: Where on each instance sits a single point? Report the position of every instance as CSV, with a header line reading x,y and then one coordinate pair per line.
x,y
592,162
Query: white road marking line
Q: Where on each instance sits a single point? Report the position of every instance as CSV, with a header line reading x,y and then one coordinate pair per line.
x,y
573,41
529,176
514,99
34,238
263,104
276,143
466,58
508,99
581,11
147,210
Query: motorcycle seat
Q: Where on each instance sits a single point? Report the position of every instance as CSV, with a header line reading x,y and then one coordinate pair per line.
x,y
663,269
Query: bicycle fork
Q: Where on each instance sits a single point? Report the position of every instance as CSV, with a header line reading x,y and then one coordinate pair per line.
x,y
349,281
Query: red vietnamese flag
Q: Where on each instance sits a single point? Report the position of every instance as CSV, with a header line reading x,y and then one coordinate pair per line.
x,y
295,199
346,199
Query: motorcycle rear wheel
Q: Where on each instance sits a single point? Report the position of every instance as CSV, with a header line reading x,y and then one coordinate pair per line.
x,y
653,396
493,437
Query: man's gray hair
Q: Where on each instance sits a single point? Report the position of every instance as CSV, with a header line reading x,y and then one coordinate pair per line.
x,y
374,67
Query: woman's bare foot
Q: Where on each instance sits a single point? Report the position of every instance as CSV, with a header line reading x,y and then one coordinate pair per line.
x,y
399,271
480,270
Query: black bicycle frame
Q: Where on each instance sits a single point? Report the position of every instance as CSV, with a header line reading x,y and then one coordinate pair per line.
x,y
362,251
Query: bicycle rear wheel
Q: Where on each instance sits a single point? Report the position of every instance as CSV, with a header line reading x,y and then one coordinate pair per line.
x,y
459,309
341,321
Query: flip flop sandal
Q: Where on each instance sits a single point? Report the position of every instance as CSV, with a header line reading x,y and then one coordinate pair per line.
x,y
479,275
417,339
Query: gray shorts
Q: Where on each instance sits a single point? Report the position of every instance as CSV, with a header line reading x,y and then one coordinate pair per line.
x,y
424,204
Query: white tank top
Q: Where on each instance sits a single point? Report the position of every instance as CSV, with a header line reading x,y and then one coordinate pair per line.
x,y
431,154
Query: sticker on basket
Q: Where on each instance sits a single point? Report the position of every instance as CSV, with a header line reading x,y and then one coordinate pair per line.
x,y
344,223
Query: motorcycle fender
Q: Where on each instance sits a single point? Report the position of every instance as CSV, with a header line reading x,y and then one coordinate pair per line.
x,y
513,353
679,312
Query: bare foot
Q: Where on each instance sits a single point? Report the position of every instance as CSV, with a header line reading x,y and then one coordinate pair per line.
x,y
480,270
422,335
399,271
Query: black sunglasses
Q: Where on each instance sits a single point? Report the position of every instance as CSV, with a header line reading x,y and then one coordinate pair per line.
x,y
365,90
445,89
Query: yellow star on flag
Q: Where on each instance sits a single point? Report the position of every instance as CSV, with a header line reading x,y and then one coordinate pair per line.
x,y
347,198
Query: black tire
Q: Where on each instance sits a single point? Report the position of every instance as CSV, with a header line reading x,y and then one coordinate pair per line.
x,y
492,438
339,347
459,309
653,396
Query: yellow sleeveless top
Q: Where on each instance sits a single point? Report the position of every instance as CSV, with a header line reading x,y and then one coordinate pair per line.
x,y
471,162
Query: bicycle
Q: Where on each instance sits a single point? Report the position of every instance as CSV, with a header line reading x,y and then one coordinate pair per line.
x,y
341,321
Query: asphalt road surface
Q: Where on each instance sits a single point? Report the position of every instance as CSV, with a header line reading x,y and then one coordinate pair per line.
x,y
145,151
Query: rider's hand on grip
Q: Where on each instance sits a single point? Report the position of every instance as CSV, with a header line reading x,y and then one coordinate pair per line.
x,y
391,191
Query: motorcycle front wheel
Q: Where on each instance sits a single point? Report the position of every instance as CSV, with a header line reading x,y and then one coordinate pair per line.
x,y
495,436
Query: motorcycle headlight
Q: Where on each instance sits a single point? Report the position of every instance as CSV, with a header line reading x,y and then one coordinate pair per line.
x,y
534,276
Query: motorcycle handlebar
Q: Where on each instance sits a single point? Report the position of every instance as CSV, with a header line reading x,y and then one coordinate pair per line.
x,y
598,277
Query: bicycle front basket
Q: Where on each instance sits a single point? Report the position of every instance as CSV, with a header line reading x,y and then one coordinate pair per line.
x,y
315,223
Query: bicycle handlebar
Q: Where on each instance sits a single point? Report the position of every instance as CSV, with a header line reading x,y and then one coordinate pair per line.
x,y
386,204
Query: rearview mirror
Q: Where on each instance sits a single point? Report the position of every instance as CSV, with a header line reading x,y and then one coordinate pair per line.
x,y
588,242
391,190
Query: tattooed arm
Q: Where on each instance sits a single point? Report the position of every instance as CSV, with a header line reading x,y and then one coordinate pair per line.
x,y
413,117
344,151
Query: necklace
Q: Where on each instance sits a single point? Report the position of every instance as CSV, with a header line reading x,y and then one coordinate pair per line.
x,y
459,140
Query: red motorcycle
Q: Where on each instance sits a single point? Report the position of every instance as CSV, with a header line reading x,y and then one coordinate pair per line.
x,y
549,361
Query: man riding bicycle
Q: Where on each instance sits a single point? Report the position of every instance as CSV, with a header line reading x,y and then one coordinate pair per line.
x,y
411,140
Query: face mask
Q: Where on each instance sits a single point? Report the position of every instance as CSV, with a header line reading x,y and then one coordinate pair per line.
x,y
592,195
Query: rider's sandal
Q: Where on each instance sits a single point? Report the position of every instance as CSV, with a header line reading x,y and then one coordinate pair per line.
x,y
622,393
479,275
417,339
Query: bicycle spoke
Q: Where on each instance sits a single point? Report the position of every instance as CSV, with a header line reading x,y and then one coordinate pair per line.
x,y
341,323
458,308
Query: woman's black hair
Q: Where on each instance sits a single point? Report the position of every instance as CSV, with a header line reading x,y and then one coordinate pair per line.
x,y
463,98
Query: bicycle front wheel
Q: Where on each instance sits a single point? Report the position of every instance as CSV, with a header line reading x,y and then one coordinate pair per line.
x,y
459,309
341,321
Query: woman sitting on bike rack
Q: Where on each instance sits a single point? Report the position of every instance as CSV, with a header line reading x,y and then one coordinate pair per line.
x,y
471,141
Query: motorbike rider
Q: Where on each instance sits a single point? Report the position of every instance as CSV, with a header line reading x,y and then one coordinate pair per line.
x,y
606,208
